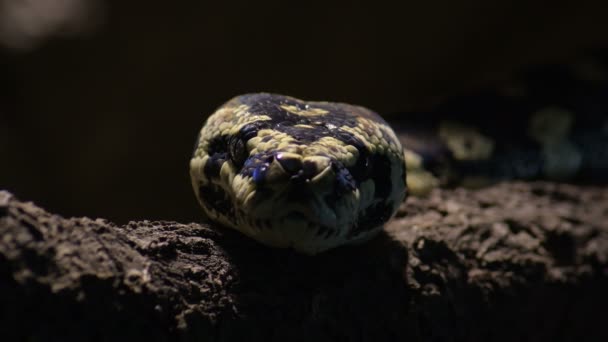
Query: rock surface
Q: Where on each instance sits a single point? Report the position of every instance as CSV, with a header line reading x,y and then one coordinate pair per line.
x,y
516,261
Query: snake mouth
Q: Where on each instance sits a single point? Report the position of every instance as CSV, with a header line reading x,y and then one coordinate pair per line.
x,y
317,201
289,205
320,229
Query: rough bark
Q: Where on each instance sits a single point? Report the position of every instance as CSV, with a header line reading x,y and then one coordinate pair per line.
x,y
516,261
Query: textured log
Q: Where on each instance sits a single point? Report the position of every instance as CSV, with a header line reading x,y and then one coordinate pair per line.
x,y
516,261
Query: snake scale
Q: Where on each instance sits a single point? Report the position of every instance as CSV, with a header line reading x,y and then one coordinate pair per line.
x,y
316,175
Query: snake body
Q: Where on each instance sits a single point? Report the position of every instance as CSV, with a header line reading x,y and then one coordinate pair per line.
x,y
551,123
316,175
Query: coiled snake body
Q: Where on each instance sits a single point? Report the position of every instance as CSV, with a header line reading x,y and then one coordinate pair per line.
x,y
316,175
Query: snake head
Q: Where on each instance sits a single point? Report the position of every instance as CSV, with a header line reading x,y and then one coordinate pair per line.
x,y
290,173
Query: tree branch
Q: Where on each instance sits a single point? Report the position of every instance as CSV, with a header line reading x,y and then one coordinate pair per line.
x,y
516,261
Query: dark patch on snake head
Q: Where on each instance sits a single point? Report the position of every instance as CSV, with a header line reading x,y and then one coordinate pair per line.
x,y
305,134
237,151
218,144
290,165
372,217
362,168
309,169
214,165
345,182
381,175
256,167
284,121
214,197
270,105
218,154
349,139
376,167
251,130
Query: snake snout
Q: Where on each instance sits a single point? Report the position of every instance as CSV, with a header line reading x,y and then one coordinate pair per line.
x,y
290,162
302,169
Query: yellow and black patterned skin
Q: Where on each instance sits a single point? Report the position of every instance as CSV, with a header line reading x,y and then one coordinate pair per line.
x,y
306,175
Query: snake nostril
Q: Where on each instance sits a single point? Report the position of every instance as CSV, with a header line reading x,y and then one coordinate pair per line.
x,y
309,170
290,164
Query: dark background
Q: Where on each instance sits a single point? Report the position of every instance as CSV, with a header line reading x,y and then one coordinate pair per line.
x,y
100,101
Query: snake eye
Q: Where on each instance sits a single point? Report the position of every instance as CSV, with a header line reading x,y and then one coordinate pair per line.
x,y
362,169
237,151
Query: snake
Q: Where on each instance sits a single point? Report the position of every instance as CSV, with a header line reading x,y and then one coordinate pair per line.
x,y
316,175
